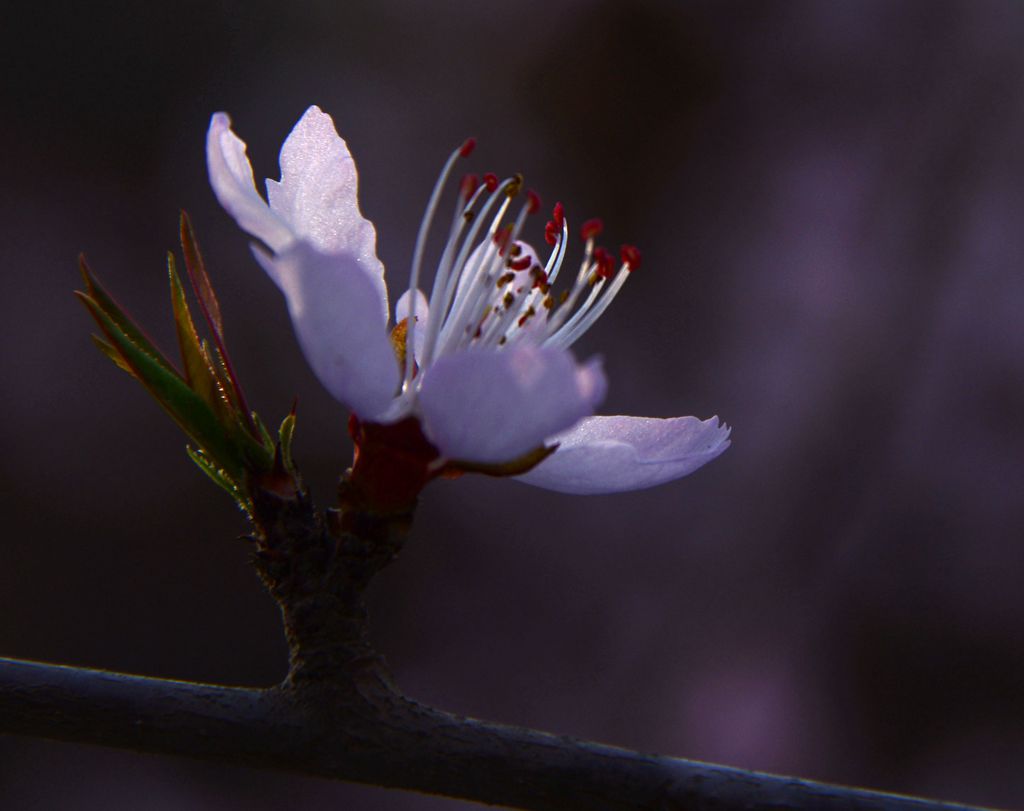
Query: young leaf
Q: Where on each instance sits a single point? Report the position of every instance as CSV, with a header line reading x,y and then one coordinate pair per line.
x,y
285,434
113,354
193,414
199,370
104,303
210,307
220,478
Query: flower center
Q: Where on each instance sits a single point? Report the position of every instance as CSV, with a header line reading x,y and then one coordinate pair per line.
x,y
492,290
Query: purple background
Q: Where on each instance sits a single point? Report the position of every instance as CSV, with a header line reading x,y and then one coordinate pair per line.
x,y
830,200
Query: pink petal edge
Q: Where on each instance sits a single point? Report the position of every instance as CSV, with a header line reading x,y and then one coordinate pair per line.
x,y
611,454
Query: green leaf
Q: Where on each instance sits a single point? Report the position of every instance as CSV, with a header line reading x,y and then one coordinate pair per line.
x,y
210,307
199,370
196,269
187,408
105,304
268,440
220,478
285,434
113,354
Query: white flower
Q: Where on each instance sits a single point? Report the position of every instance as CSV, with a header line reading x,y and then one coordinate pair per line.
x,y
489,378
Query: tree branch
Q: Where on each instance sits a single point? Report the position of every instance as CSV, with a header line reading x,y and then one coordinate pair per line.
x,y
338,713
343,733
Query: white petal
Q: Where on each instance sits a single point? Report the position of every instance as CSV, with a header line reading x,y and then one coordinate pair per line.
x,y
318,192
614,454
495,406
335,309
232,181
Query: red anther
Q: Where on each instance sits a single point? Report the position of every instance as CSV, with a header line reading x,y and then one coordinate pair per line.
x,y
540,279
605,263
501,239
592,228
630,255
491,181
467,147
532,201
522,263
551,232
468,186
558,215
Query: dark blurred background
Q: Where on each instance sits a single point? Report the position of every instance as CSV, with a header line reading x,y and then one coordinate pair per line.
x,y
830,199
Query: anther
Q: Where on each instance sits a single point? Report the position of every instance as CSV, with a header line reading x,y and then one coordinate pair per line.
x,y
467,147
558,215
532,201
468,186
551,232
515,185
491,181
630,255
591,228
605,263
502,237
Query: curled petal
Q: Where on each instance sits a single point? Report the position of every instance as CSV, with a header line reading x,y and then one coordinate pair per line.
x,y
315,200
614,454
232,182
335,309
492,407
318,192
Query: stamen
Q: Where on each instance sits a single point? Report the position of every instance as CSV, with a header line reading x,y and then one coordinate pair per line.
x,y
583,282
555,261
446,284
570,334
490,290
417,256
585,278
470,285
